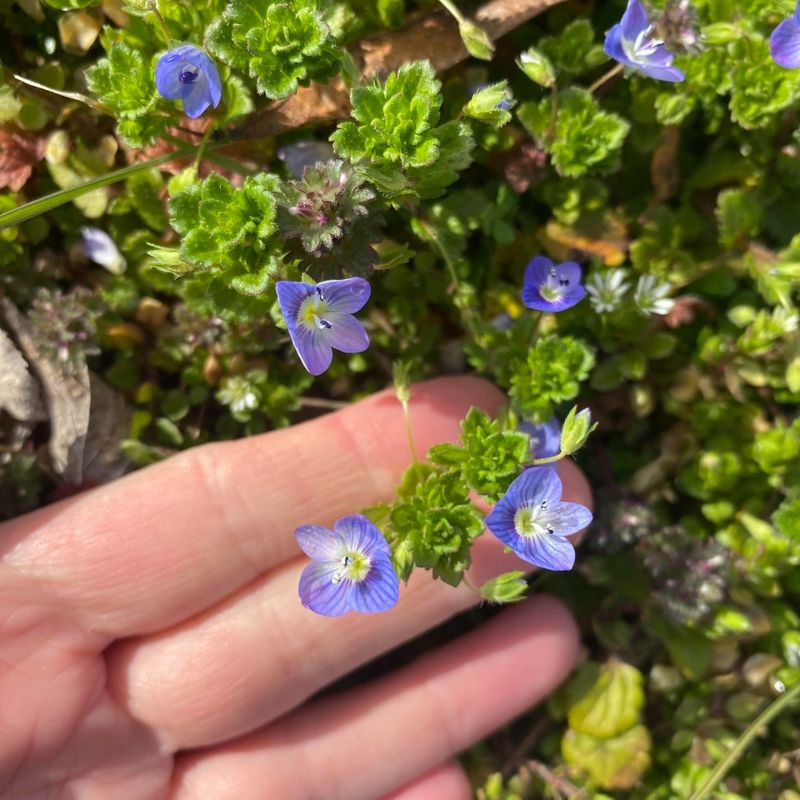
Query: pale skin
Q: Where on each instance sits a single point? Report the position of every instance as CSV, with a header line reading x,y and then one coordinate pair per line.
x,y
153,647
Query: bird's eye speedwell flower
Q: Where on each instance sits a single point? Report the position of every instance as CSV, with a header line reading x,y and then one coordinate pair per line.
x,y
551,287
320,319
545,437
784,44
99,247
351,568
634,43
187,73
532,520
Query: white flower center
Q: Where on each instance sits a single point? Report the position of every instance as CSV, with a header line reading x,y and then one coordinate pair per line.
x,y
354,566
643,46
532,520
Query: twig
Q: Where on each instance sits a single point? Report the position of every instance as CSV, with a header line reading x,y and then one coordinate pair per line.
x,y
434,37
556,782
322,402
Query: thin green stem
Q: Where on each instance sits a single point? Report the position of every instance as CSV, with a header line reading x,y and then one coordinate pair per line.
x,y
161,22
549,460
409,433
471,586
551,128
202,146
743,742
612,73
453,9
467,312
47,203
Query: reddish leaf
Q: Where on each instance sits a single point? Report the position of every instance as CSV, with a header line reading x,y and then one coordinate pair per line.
x,y
20,152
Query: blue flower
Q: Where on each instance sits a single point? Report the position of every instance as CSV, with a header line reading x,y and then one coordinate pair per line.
x,y
545,437
187,73
532,520
99,247
633,42
351,568
320,319
784,44
547,287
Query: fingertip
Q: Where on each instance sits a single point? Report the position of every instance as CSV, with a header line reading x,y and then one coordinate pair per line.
x,y
448,781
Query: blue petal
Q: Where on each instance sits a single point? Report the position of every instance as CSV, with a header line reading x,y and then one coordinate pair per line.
x,y
537,271
290,297
613,47
305,153
320,543
208,68
320,593
168,70
532,298
570,271
312,347
547,551
346,333
634,20
346,296
196,97
784,44
533,486
500,521
545,437
357,533
670,74
379,591
568,518
796,15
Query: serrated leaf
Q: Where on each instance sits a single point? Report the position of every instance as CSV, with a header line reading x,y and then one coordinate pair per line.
x,y
280,45
583,138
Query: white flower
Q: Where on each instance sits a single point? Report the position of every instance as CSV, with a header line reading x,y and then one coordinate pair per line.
x,y
651,296
99,247
606,289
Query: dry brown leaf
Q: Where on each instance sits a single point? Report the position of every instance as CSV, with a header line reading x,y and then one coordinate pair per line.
x,y
20,395
20,152
109,424
67,398
664,170
606,239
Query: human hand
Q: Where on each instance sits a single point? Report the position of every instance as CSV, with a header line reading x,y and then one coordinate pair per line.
x,y
152,643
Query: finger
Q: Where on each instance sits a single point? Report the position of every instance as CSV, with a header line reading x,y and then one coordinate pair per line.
x,y
162,544
246,662
448,781
367,741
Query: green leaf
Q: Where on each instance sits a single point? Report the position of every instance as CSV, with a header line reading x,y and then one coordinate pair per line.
x,y
222,226
550,373
608,699
615,763
573,50
739,213
281,45
394,138
584,136
124,82
145,190
490,105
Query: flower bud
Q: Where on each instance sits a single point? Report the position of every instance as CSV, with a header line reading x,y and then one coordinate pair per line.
x,y
538,67
576,429
510,587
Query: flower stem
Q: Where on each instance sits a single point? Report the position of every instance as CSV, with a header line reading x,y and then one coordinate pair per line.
x,y
162,22
453,9
548,460
202,146
612,73
743,742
